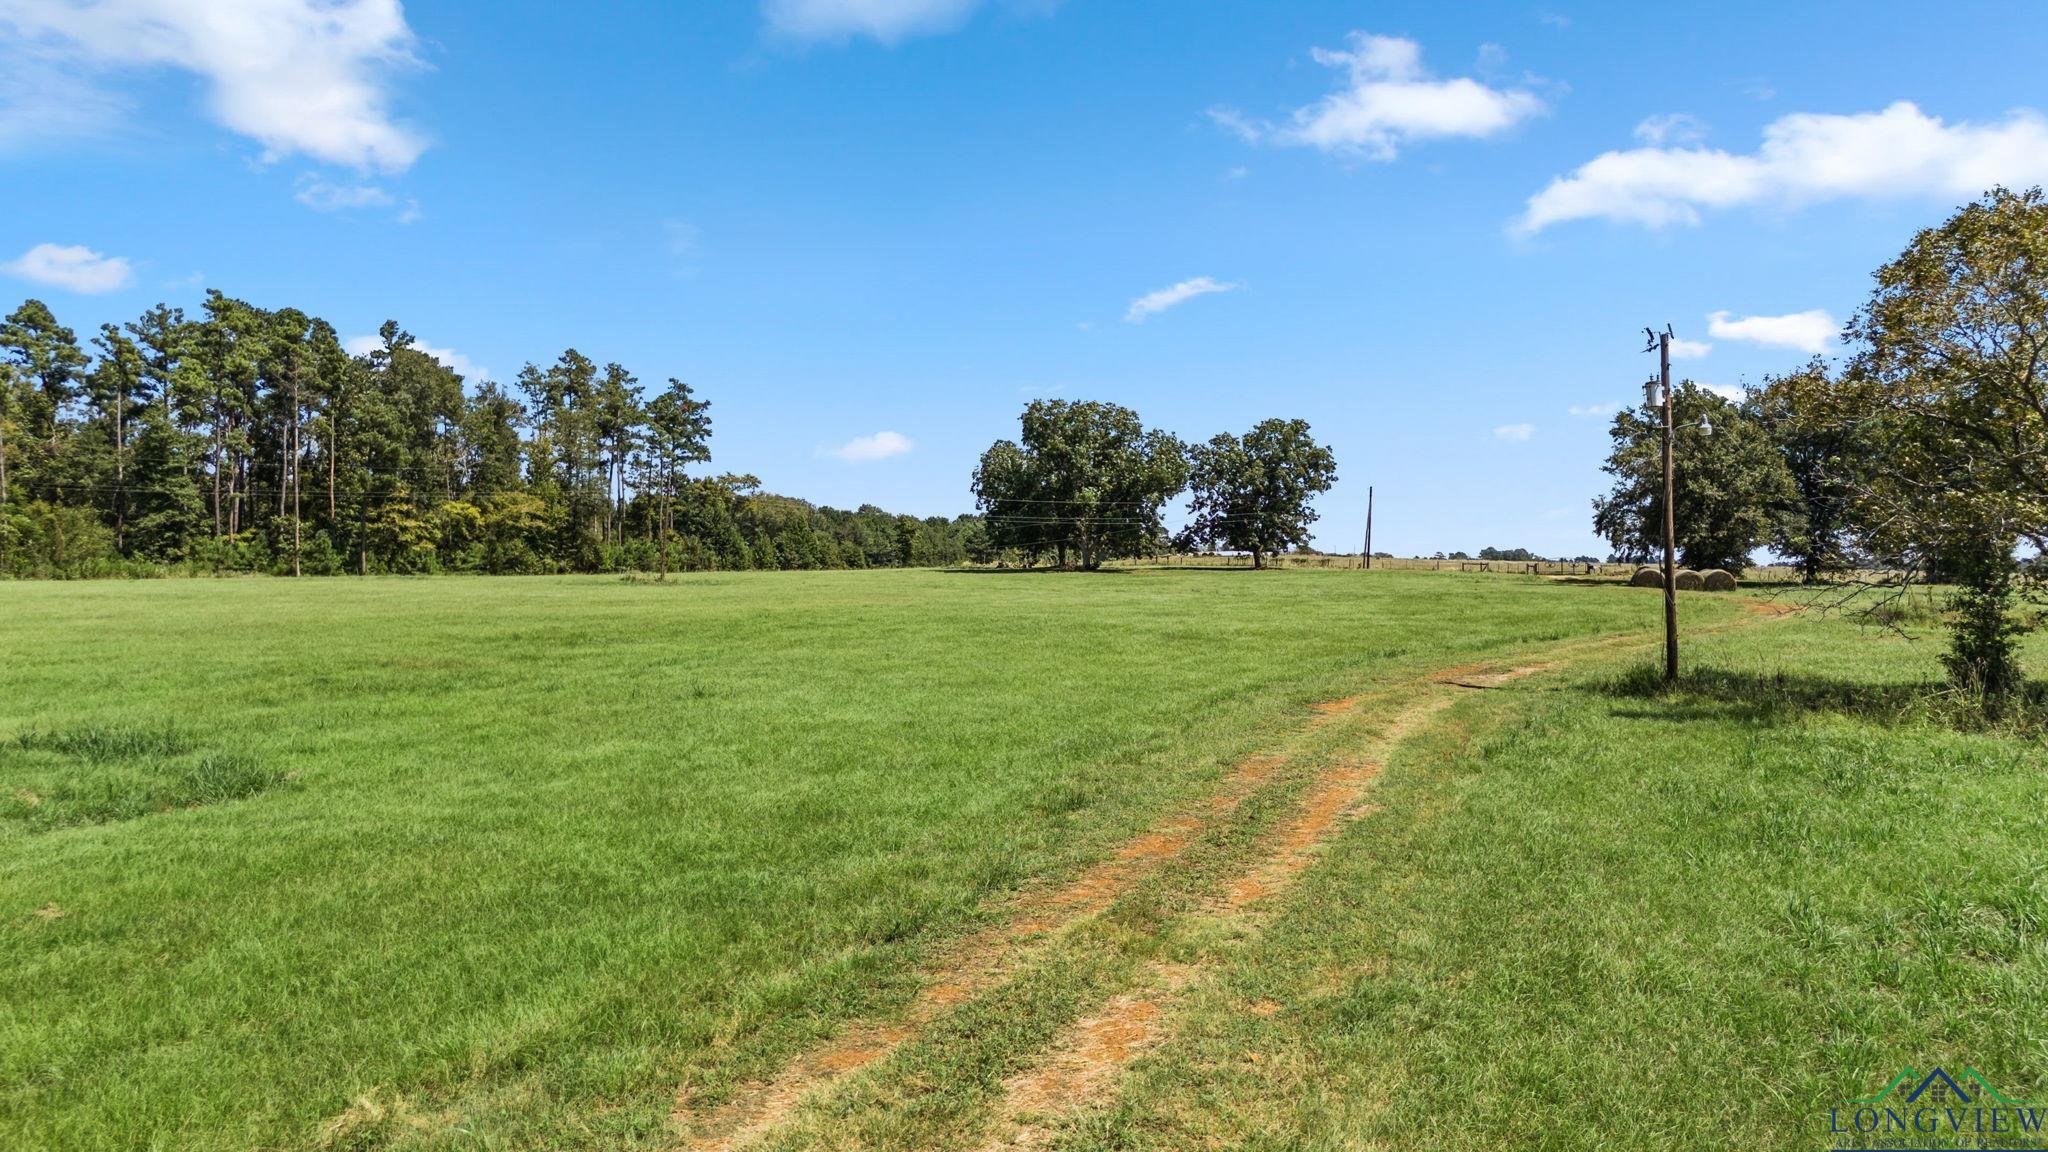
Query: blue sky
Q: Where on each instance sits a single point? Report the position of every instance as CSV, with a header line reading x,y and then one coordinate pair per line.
x,y
870,230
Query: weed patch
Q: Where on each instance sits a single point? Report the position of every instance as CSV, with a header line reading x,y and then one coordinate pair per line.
x,y
92,774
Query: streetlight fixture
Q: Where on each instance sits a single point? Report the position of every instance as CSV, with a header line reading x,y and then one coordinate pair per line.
x,y
1657,393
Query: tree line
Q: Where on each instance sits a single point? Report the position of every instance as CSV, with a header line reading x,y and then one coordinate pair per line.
x,y
1086,481
1923,452
250,440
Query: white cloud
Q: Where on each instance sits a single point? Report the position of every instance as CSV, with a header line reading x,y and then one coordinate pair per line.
x,y
43,100
1594,411
1729,392
1804,158
1153,303
324,196
1671,128
1757,88
880,446
305,76
884,20
70,266
462,365
1389,100
1514,433
1812,331
1682,349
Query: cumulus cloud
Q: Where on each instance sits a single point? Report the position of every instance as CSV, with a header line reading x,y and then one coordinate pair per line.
x,y
73,267
1812,331
1804,158
1732,393
1594,411
449,358
1153,303
1682,349
297,76
880,446
887,21
1388,100
1514,433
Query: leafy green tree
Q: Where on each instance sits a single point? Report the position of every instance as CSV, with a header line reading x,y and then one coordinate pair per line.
x,y
194,441
1085,475
678,435
1253,494
1732,485
1825,460
10,382
1949,393
490,442
47,365
615,418
116,390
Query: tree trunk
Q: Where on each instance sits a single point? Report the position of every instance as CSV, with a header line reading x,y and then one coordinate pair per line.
x,y
666,528
1258,559
120,471
214,464
237,470
296,447
333,450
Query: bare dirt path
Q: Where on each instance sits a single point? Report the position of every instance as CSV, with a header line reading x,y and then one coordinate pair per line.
x,y
966,969
1089,1057
1082,1063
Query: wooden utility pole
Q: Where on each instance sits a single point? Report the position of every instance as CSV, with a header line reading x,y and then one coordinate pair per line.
x,y
1368,525
1661,341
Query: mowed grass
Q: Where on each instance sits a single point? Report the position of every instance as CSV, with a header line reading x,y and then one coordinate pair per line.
x,y
1592,914
491,862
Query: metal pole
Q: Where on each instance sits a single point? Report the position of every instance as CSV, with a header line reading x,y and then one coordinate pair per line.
x,y
1670,549
1368,526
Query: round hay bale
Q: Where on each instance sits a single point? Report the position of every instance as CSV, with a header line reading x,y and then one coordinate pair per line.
x,y
1718,580
1647,577
1690,581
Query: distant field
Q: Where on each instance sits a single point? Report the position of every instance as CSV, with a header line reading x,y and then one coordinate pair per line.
x,y
1754,575
501,862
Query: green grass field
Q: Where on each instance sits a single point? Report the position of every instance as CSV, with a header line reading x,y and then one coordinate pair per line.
x,y
497,863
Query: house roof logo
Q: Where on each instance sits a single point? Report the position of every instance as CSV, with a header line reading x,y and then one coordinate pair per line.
x,y
1935,1111
1945,1089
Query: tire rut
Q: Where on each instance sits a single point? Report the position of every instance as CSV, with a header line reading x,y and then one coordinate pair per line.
x,y
1088,1055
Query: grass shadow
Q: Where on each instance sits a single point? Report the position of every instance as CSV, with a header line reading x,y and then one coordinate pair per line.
x,y
1770,698
1047,570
